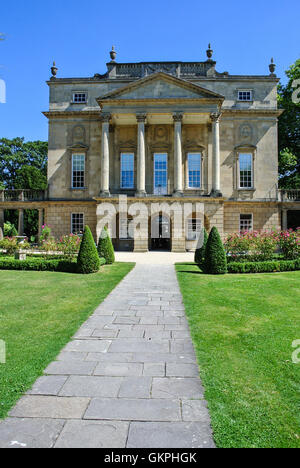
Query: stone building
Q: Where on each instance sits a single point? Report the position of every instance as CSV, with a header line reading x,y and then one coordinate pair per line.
x,y
165,135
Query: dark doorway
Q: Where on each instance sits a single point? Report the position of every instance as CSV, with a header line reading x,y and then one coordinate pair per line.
x,y
161,233
293,219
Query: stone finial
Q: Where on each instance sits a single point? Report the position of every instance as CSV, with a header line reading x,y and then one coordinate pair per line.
x,y
54,70
113,54
209,52
272,67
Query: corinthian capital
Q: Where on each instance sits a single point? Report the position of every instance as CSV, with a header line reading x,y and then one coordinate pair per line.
x,y
215,117
178,116
141,118
105,117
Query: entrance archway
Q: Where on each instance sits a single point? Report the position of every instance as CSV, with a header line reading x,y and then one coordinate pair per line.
x,y
160,233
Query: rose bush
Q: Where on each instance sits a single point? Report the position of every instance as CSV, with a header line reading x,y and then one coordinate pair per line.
x,y
69,245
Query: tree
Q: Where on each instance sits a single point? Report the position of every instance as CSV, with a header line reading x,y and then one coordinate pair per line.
x,y
23,165
215,255
88,260
201,247
105,247
289,129
16,155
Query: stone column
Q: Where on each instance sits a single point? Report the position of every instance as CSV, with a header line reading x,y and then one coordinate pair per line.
x,y
178,185
216,186
41,221
21,222
104,192
141,158
284,219
1,223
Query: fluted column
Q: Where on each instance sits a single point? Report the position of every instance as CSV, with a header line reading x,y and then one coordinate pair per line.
x,y
216,185
105,156
178,185
21,223
141,156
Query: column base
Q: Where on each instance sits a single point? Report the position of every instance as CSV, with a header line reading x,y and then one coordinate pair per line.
x,y
105,194
141,245
216,193
140,194
178,245
177,193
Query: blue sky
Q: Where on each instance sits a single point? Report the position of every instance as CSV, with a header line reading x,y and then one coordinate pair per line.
x,y
79,36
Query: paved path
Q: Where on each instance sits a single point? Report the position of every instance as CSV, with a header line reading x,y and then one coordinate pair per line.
x,y
155,257
129,377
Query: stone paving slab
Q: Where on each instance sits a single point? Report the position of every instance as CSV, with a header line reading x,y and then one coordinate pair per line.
x,y
128,378
93,434
134,409
30,433
50,407
169,435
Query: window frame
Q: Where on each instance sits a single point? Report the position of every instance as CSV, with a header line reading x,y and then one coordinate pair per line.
x,y
167,173
188,170
79,92
124,153
251,153
76,214
72,170
245,91
245,214
198,223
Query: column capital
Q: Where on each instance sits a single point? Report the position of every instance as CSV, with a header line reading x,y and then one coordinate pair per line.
x,y
178,116
141,118
105,117
215,117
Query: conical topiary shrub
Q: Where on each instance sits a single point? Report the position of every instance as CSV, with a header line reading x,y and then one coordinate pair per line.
x,y
201,247
215,256
88,259
105,247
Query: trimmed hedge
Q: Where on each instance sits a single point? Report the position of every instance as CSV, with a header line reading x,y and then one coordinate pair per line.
x,y
105,247
88,260
38,264
215,256
264,267
200,251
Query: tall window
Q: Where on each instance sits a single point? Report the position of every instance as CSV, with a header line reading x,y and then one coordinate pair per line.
x,y
77,223
246,222
127,170
245,95
246,170
194,170
194,228
160,174
78,170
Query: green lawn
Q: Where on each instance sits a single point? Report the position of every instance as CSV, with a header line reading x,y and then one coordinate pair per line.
x,y
243,327
39,313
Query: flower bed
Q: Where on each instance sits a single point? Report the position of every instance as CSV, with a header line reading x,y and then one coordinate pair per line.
x,y
263,246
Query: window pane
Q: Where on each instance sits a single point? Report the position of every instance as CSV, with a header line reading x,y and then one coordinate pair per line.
x,y
77,226
160,173
127,170
78,170
194,169
245,222
246,163
194,228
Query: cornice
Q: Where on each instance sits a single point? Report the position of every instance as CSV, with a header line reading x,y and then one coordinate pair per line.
x,y
248,112
62,114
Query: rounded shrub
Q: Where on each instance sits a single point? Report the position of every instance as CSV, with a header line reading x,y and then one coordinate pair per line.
x,y
105,247
201,247
88,260
215,256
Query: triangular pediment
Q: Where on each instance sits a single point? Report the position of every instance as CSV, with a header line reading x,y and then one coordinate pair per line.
x,y
160,86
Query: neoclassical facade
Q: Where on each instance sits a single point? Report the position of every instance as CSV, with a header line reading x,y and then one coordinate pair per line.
x,y
167,134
